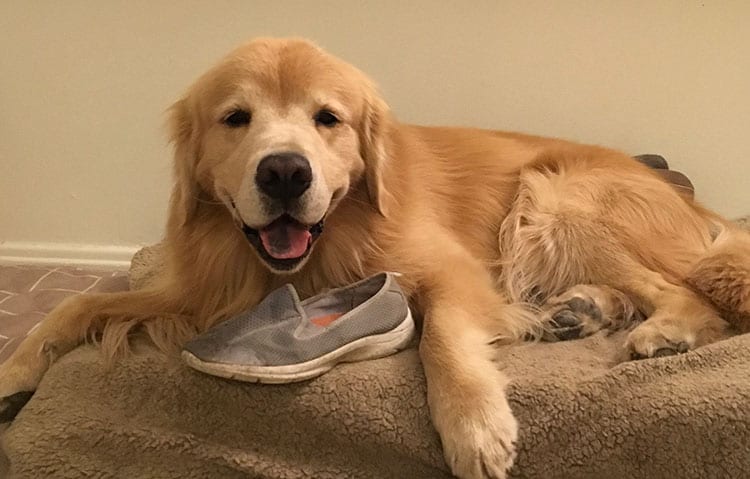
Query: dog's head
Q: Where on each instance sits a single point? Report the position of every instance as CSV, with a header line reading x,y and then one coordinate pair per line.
x,y
279,131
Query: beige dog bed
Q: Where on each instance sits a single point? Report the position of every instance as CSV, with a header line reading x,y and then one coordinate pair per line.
x,y
581,415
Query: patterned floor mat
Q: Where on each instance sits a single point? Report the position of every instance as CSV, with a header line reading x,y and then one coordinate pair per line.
x,y
27,293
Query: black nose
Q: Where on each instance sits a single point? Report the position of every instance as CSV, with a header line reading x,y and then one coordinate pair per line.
x,y
284,176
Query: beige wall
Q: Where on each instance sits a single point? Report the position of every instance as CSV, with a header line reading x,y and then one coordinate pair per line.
x,y
83,87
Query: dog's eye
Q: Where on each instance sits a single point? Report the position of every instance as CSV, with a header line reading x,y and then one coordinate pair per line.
x,y
326,118
237,118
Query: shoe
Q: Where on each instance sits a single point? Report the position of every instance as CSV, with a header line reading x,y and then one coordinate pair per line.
x,y
679,181
286,340
651,160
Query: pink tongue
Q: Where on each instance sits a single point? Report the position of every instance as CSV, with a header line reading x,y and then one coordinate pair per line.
x,y
284,239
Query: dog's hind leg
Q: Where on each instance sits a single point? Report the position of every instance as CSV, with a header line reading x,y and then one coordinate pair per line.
x,y
678,318
585,221
723,276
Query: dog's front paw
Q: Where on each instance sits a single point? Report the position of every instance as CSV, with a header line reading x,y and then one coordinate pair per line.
x,y
481,444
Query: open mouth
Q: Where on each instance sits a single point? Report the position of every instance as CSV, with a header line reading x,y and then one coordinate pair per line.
x,y
284,242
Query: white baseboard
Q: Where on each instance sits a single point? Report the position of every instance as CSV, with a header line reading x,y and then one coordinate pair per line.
x,y
58,254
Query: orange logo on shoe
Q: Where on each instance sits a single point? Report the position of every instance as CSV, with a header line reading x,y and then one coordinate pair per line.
x,y
326,320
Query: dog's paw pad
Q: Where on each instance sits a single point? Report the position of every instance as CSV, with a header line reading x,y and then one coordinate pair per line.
x,y
566,318
566,325
572,319
662,352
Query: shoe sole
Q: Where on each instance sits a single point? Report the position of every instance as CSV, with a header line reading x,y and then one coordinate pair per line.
x,y
369,347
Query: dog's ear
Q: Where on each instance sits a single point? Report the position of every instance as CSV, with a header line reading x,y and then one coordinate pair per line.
x,y
373,132
184,201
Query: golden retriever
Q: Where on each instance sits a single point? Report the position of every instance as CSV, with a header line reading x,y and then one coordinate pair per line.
x,y
290,168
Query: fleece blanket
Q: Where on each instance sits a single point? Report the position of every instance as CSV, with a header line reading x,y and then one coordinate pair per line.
x,y
582,415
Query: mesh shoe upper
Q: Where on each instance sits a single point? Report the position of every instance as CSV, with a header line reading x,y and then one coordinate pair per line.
x,y
282,330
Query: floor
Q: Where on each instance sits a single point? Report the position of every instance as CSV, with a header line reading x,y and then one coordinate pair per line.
x,y
27,293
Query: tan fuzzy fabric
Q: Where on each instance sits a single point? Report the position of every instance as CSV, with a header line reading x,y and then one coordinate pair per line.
x,y
582,415
144,266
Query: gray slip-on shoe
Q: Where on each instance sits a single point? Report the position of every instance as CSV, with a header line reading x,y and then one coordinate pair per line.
x,y
651,160
285,340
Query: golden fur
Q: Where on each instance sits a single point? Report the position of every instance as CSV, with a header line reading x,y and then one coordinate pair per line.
x,y
487,228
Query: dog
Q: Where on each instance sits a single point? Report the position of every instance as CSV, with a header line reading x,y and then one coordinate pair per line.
x,y
289,167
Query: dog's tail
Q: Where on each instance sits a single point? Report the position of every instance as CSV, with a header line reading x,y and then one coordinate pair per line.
x,y
722,275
